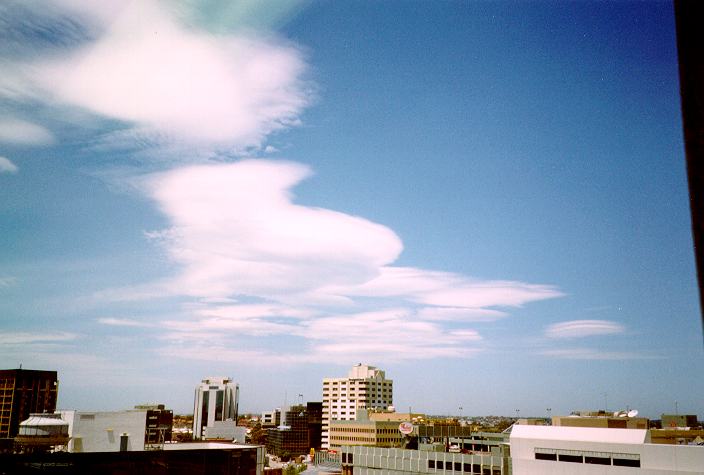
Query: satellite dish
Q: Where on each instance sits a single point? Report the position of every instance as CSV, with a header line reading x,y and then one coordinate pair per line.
x,y
616,413
633,413
622,414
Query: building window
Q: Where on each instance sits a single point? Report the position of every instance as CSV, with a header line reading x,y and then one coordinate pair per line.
x,y
458,467
546,457
626,462
597,460
431,463
571,458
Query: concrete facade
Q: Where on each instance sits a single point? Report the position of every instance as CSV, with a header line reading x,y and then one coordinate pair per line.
x,y
106,431
365,431
384,461
216,399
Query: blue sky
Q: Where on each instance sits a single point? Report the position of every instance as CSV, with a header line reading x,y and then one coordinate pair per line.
x,y
487,200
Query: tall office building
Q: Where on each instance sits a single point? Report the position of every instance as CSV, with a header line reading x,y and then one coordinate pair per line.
x,y
365,387
24,391
216,400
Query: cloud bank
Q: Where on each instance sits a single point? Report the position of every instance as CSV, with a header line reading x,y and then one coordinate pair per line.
x,y
324,277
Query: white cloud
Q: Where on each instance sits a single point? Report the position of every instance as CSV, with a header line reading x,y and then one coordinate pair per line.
x,y
236,231
150,71
306,272
460,314
583,328
122,322
261,310
6,166
21,132
594,354
448,289
27,338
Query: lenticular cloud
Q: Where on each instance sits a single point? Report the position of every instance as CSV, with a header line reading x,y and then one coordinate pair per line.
x,y
237,232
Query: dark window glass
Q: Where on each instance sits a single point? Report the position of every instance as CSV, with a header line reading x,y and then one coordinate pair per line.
x,y
570,458
597,460
431,463
458,467
476,468
467,467
545,456
204,412
626,462
219,396
439,464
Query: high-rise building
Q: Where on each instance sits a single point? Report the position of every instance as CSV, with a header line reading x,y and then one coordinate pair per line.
x,y
216,400
365,387
24,391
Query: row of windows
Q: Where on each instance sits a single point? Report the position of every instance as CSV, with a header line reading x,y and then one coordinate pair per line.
x,y
345,440
473,468
364,429
618,462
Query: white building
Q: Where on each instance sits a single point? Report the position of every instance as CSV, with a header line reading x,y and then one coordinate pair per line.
x,y
550,450
216,399
365,387
271,418
106,431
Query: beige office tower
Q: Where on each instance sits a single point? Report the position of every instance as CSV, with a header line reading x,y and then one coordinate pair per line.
x,y
365,387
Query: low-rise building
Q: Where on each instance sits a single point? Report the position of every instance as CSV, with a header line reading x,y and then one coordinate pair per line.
x,y
539,450
679,420
605,420
368,429
388,461
113,431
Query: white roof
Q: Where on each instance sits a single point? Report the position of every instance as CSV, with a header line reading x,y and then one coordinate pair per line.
x,y
205,445
580,434
37,420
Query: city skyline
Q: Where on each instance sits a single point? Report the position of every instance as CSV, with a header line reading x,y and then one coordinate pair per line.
x,y
487,201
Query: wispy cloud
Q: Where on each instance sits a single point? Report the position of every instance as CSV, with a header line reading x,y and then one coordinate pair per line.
x,y
16,131
583,328
28,338
123,322
6,166
594,354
